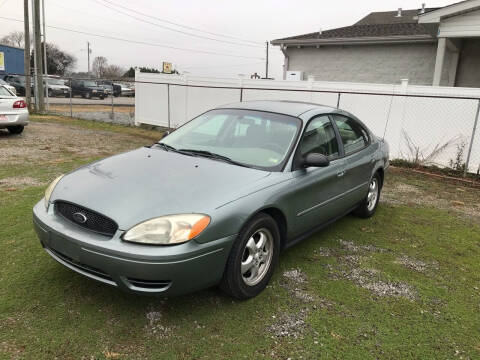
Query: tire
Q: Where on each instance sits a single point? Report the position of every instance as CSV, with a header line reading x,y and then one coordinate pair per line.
x,y
67,96
101,97
263,259
50,93
88,95
15,129
369,205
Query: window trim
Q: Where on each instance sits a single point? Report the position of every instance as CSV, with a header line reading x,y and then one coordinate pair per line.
x,y
297,155
369,139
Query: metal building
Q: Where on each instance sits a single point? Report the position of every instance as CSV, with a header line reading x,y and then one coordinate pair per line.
x,y
11,60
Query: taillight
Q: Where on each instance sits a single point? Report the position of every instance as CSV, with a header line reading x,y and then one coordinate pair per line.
x,y
19,104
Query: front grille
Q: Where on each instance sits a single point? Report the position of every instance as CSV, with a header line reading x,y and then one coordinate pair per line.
x,y
88,269
94,221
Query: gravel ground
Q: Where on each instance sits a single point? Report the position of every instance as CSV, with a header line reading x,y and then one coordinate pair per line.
x,y
51,142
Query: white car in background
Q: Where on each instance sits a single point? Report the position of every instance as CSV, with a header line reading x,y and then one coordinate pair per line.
x,y
13,111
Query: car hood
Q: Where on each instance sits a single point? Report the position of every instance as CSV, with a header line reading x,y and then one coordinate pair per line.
x,y
146,183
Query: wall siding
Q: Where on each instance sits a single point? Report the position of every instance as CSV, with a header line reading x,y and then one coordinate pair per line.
x,y
461,25
385,64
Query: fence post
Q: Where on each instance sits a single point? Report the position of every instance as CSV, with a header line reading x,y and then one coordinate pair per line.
x,y
71,95
338,100
477,115
168,105
113,112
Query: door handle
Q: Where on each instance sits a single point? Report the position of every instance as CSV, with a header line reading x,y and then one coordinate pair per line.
x,y
341,173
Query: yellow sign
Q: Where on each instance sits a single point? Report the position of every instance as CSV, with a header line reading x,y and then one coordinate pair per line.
x,y
167,67
2,61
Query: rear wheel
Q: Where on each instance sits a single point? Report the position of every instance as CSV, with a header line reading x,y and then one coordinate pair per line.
x,y
252,259
369,205
50,93
15,129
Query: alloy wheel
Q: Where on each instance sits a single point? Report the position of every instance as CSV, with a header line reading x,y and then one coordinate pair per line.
x,y
372,194
257,257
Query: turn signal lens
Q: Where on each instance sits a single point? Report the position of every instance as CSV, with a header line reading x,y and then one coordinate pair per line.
x,y
50,188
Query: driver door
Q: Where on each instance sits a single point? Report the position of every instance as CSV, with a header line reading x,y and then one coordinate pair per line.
x,y
317,194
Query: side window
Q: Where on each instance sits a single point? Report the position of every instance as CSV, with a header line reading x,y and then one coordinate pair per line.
x,y
354,137
319,137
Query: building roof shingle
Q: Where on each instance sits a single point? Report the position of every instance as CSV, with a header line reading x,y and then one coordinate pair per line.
x,y
376,24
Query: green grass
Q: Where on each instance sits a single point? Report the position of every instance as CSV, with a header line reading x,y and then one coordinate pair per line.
x,y
48,311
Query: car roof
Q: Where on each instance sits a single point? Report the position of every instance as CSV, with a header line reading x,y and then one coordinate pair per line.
x,y
287,107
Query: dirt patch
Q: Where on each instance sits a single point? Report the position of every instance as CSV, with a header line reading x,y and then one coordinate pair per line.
x,y
155,327
411,264
50,142
294,282
349,259
352,247
404,189
289,325
15,182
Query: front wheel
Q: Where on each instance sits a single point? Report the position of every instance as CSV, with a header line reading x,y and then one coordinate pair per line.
x,y
368,206
252,259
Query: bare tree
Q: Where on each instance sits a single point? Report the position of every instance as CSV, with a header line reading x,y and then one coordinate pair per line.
x,y
113,72
15,38
99,65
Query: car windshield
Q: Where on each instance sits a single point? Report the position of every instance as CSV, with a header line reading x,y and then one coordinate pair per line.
x,y
19,79
55,82
252,138
90,83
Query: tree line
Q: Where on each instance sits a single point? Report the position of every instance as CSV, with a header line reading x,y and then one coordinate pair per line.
x,y
62,63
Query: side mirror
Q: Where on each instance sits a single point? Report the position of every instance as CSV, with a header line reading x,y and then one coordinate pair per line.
x,y
315,160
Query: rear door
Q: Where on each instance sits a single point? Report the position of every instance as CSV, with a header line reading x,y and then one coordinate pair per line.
x,y
358,154
316,196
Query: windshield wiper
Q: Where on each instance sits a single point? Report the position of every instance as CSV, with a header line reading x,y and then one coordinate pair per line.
x,y
167,147
211,155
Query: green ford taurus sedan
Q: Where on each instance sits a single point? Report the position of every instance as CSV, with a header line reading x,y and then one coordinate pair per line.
x,y
215,201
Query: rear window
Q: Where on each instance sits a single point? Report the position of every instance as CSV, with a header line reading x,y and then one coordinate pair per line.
x,y
5,92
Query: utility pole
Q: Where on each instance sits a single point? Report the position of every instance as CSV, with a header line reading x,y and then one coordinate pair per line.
x,y
45,70
88,57
266,62
38,57
35,68
26,58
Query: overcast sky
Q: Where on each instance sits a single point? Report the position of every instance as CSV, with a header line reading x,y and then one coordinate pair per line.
x,y
251,20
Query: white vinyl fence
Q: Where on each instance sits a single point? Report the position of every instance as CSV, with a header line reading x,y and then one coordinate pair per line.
x,y
415,120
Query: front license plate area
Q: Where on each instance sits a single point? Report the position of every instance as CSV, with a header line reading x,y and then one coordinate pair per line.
x,y
65,247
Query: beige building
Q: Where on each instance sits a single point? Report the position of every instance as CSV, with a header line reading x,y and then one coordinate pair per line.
x,y
427,46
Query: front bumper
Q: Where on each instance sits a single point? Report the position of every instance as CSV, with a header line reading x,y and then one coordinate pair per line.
x,y
14,118
59,92
162,270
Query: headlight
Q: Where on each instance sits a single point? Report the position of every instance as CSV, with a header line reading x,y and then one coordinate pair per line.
x,y
167,230
50,188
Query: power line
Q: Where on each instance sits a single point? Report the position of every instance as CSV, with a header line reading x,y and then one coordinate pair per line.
x,y
180,25
172,29
142,42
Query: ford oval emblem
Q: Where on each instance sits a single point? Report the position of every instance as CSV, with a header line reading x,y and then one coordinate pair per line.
x,y
79,218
